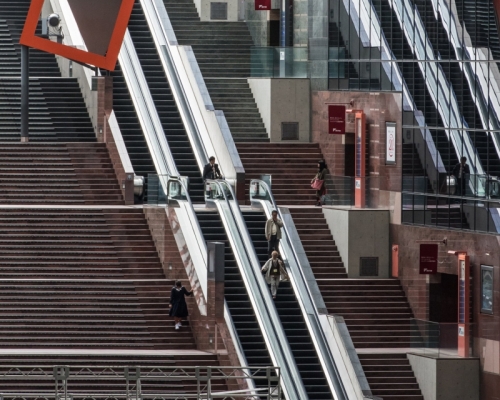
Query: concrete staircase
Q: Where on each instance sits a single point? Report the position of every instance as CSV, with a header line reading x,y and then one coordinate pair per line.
x,y
318,242
292,167
57,108
57,173
222,50
376,311
83,278
390,376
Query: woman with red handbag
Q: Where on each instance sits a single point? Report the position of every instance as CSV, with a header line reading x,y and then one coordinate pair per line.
x,y
318,182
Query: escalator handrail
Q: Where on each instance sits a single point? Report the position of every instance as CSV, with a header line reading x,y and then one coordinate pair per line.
x,y
212,138
155,26
306,300
146,110
199,243
237,345
260,296
196,229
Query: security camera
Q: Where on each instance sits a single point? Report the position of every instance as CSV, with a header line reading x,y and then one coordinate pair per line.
x,y
51,27
54,20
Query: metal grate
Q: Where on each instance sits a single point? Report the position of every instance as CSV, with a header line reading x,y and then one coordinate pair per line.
x,y
218,11
368,266
289,131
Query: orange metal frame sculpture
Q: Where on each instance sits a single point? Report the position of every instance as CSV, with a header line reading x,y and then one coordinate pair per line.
x,y
108,62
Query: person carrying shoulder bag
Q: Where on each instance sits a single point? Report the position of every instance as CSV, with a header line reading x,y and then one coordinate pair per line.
x,y
318,182
275,272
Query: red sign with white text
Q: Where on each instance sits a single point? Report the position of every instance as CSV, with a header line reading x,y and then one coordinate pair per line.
x,y
336,120
428,259
262,5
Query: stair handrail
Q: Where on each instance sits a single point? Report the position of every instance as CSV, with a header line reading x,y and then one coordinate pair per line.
x,y
207,128
489,90
369,30
259,294
309,303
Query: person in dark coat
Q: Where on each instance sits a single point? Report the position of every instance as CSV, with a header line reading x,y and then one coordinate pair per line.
x,y
178,305
211,170
321,176
461,173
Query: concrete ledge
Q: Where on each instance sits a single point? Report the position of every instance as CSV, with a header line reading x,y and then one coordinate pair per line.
x,y
447,378
360,233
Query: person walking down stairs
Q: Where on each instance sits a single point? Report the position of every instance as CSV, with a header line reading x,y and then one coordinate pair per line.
x,y
178,305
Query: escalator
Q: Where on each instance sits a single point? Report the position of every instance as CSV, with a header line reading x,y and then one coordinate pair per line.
x,y
130,127
479,18
236,296
414,79
444,50
292,318
166,107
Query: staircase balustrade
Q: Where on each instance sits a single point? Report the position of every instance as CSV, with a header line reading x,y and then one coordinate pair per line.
x,y
305,288
207,128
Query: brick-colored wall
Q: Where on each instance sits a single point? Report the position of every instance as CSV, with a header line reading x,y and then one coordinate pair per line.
x,y
483,250
176,263
379,108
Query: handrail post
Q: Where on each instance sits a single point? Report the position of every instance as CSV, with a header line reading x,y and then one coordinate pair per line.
x,y
25,93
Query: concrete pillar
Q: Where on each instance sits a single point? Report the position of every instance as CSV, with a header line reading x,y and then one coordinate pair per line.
x,y
318,43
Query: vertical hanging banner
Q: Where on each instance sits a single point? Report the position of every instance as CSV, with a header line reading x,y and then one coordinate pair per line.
x,y
428,259
390,143
336,120
262,5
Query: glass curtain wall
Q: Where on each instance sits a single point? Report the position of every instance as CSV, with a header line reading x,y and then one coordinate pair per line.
x,y
444,56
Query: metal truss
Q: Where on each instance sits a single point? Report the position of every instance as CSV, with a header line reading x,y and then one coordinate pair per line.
x,y
140,383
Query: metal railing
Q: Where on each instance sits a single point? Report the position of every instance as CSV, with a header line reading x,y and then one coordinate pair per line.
x,y
434,339
207,128
140,382
222,197
261,196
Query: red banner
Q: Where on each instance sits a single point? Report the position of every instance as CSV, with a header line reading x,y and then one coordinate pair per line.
x,y
336,120
262,5
428,258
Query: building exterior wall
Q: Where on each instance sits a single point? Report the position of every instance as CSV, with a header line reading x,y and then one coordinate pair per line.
x,y
283,100
483,249
360,233
379,108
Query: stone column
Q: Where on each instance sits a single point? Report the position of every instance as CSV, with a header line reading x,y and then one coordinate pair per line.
x,y
318,43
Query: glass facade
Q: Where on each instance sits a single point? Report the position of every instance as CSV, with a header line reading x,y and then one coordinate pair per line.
x,y
444,57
